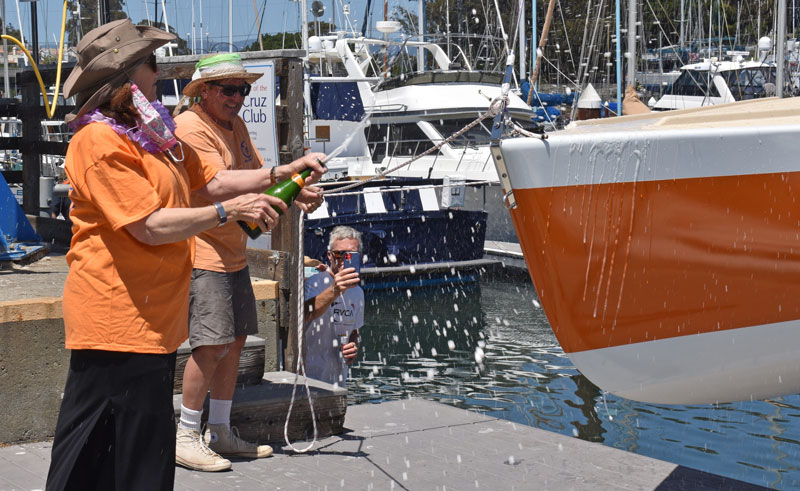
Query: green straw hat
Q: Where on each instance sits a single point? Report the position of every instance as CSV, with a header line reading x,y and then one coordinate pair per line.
x,y
218,67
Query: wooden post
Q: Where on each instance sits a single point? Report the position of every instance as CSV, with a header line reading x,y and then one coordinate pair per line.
x,y
31,114
288,235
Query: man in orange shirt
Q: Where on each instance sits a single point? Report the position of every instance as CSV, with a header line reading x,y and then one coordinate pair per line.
x,y
222,310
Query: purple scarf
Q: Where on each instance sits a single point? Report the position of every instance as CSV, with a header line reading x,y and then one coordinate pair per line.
x,y
134,133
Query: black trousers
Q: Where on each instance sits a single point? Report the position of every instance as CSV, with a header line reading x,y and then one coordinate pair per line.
x,y
116,426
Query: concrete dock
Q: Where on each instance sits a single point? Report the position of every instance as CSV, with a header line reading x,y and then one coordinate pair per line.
x,y
418,444
410,444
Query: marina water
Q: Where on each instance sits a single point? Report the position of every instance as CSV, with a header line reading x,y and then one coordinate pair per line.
x,y
488,347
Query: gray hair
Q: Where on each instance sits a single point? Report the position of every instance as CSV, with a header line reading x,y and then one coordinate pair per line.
x,y
344,232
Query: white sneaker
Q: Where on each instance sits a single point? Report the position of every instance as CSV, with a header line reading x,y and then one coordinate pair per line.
x,y
226,441
191,452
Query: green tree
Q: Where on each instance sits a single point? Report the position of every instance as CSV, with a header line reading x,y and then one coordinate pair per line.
x,y
288,40
281,40
11,30
76,28
183,47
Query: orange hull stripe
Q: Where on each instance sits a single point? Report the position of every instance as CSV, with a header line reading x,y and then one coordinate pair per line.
x,y
625,263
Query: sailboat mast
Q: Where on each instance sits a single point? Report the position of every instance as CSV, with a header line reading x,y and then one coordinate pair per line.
x,y
304,27
534,39
193,45
230,26
421,21
631,78
683,18
201,27
521,32
619,56
780,46
6,86
447,21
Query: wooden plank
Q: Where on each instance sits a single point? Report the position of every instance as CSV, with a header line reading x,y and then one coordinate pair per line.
x,y
48,73
260,411
182,67
269,265
251,363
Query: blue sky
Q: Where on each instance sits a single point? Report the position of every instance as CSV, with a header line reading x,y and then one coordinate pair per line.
x,y
280,15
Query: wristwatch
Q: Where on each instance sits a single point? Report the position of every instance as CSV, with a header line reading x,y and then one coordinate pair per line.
x,y
223,217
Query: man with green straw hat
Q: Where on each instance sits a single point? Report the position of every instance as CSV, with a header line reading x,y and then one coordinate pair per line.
x,y
222,309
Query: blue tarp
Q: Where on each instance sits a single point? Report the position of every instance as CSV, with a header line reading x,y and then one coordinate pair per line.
x,y
608,110
546,113
545,99
338,101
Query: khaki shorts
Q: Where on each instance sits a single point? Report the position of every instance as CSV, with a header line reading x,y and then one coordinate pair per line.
x,y
222,306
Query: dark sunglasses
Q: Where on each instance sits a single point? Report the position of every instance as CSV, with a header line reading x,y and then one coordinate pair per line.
x,y
230,90
151,62
340,254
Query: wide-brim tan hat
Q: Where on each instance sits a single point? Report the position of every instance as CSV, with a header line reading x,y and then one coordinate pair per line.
x,y
218,67
106,55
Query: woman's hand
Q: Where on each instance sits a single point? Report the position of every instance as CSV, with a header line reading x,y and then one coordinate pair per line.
x,y
255,208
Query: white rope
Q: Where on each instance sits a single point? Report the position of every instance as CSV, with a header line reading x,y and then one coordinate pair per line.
x,y
519,130
300,364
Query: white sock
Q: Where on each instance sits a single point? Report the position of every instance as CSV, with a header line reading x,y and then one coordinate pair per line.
x,y
190,419
219,412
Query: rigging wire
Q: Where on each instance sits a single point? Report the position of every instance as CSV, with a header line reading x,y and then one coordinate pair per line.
x,y
566,36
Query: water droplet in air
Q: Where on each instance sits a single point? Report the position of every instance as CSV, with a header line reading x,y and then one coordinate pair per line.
x,y
479,355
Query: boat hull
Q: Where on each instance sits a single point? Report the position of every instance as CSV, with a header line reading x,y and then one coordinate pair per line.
x,y
407,239
666,252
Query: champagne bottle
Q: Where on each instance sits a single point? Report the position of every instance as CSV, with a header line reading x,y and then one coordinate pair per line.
x,y
287,191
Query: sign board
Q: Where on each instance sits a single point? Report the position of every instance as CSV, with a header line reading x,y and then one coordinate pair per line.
x,y
258,111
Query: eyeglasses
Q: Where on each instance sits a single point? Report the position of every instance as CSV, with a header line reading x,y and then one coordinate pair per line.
x,y
340,254
230,90
151,62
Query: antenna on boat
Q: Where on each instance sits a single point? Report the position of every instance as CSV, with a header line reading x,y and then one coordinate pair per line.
x,y
318,9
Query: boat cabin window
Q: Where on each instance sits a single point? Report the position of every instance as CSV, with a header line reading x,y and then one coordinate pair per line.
x,y
693,83
751,83
479,134
396,140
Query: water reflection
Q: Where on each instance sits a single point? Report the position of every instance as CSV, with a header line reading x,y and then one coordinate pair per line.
x,y
488,347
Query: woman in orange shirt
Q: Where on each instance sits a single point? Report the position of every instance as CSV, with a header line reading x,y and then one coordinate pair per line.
x,y
126,296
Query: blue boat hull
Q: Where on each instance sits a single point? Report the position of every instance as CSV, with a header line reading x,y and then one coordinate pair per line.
x,y
404,238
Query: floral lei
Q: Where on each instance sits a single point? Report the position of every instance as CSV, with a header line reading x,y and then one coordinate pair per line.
x,y
133,133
